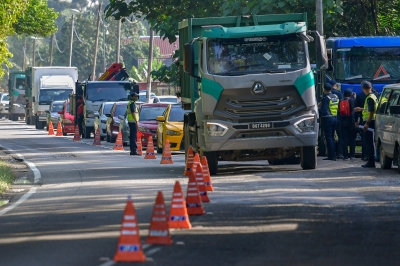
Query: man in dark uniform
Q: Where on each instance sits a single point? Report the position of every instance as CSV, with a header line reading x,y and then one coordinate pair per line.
x,y
368,115
346,125
338,93
133,119
328,112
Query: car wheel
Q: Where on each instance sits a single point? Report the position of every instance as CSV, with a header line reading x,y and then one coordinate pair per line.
x,y
64,133
386,162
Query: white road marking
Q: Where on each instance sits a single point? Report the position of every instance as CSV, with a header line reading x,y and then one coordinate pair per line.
x,y
21,200
152,251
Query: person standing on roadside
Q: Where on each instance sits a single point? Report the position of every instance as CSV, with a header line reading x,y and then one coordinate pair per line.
x,y
347,124
328,112
360,100
338,93
133,119
368,115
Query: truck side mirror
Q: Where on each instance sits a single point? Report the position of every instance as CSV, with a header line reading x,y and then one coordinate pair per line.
x,y
330,59
189,59
322,57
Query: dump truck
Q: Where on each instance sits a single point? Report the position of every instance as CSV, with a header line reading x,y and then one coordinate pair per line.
x,y
249,85
16,92
44,85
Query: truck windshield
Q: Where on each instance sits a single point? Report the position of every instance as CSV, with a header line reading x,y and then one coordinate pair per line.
x,y
240,56
113,91
375,63
46,96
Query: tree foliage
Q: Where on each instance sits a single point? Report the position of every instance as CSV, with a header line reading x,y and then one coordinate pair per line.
x,y
140,74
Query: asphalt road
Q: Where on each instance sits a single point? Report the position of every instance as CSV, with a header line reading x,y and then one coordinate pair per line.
x,y
338,214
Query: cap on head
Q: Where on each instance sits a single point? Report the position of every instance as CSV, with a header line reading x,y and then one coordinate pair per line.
x,y
347,93
134,94
366,85
328,86
332,82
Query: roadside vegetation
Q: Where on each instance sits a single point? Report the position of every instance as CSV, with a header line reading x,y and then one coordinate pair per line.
x,y
6,176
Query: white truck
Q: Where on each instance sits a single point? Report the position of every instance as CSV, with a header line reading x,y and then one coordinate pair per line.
x,y
44,85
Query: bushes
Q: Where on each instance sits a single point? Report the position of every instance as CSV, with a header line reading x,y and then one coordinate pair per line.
x,y
6,177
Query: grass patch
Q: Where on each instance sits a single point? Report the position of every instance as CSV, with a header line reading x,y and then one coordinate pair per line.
x,y
6,176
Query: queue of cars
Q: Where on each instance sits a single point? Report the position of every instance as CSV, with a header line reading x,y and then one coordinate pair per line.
x,y
4,104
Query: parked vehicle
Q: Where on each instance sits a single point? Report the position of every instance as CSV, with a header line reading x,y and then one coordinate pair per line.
x,y
113,122
100,118
53,113
142,98
170,127
16,90
67,119
147,122
387,127
168,99
4,105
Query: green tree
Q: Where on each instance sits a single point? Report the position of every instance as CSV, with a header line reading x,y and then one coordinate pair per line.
x,y
140,73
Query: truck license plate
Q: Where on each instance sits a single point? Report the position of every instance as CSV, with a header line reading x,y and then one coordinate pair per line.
x,y
260,125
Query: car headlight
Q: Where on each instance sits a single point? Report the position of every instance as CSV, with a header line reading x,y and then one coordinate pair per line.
x,y
216,129
172,133
305,125
143,129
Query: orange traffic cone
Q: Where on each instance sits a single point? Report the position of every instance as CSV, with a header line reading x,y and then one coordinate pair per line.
x,y
119,146
189,161
159,230
200,183
51,128
59,129
96,140
139,145
150,150
206,174
129,248
166,156
77,135
178,216
193,199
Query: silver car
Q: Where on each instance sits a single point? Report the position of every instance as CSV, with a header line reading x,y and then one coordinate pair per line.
x,y
100,118
53,115
4,104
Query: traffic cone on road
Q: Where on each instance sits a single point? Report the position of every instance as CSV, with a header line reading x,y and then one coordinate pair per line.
x,y
166,156
159,230
96,140
51,128
139,145
200,183
118,145
150,149
189,161
178,215
129,248
206,174
77,135
193,199
59,129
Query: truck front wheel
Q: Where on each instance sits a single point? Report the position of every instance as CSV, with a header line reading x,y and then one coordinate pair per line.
x,y
308,157
212,160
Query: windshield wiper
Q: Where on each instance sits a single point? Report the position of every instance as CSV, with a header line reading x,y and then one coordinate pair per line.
x,y
382,77
354,77
275,71
122,99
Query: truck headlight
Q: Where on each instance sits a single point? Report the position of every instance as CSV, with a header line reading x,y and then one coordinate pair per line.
x,y
305,125
172,133
216,129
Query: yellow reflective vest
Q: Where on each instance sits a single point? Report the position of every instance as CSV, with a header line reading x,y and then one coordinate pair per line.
x,y
130,114
365,113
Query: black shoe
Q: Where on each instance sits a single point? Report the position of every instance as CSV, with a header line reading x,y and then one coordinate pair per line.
x,y
330,159
368,165
134,153
365,159
340,157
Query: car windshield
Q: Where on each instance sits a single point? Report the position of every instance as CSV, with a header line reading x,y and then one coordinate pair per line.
x,y
120,109
113,91
5,97
67,108
241,56
150,113
376,63
107,108
57,107
48,95
169,99
142,97
176,114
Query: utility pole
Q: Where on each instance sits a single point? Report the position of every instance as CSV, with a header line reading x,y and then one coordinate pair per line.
x,y
24,60
96,43
320,17
51,50
149,66
118,41
71,39
33,51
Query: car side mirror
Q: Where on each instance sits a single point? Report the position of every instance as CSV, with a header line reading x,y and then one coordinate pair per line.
x,y
160,118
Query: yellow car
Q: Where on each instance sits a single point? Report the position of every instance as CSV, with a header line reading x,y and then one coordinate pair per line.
x,y
170,126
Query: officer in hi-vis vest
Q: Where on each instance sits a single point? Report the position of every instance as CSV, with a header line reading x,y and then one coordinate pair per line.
x,y
133,119
328,112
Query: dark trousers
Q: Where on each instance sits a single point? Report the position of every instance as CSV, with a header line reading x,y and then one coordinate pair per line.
x,y
329,126
369,143
80,122
132,136
348,139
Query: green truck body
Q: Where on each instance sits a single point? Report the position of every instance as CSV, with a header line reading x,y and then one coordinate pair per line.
x,y
16,91
250,87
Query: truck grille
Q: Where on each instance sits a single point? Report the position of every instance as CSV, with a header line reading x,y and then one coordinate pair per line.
x,y
272,133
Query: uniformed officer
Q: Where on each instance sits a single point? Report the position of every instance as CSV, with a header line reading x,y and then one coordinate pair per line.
x,y
328,112
133,119
368,113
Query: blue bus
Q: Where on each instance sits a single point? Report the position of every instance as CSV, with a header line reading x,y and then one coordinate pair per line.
x,y
354,59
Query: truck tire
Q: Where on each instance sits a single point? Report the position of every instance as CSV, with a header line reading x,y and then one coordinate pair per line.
x,y
386,162
14,117
86,132
212,160
308,157
39,124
